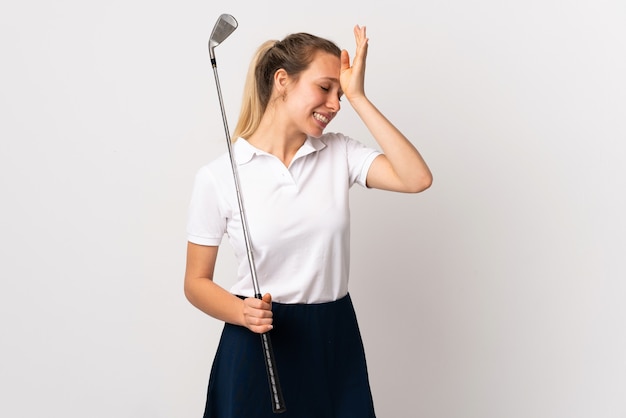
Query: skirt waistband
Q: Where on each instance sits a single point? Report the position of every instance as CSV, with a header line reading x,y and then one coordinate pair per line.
x,y
341,300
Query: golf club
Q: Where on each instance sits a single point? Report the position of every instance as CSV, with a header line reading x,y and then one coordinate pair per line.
x,y
225,25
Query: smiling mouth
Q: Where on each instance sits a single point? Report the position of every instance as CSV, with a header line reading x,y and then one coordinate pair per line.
x,y
321,118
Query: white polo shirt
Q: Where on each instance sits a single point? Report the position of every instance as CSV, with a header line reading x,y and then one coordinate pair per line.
x,y
298,217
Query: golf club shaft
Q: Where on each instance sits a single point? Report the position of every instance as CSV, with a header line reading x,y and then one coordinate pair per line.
x,y
278,404
233,163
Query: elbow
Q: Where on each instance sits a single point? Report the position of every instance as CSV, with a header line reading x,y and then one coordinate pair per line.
x,y
188,294
420,184
188,291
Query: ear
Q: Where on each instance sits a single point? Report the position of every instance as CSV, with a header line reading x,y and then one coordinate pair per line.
x,y
281,79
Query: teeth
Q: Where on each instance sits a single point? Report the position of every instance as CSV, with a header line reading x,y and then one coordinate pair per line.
x,y
320,118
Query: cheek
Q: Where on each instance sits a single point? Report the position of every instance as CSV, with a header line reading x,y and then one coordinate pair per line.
x,y
305,100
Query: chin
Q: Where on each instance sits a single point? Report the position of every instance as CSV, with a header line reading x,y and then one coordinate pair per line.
x,y
316,133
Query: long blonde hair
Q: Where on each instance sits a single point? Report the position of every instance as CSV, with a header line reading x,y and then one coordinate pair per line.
x,y
293,54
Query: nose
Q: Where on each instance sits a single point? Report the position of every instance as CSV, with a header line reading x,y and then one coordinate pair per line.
x,y
333,104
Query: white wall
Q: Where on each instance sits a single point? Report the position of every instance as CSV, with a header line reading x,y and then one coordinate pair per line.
x,y
497,293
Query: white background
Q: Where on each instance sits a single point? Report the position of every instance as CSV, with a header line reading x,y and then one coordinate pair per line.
x,y
497,293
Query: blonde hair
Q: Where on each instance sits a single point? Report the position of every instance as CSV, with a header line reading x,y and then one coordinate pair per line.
x,y
293,54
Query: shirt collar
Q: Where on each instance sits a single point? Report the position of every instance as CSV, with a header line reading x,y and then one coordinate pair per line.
x,y
244,151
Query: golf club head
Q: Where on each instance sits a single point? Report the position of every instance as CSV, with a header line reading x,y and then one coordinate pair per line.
x,y
225,25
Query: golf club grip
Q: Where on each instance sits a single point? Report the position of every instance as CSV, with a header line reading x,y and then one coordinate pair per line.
x,y
278,402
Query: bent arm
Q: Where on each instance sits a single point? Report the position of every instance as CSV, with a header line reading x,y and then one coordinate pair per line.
x,y
212,299
401,168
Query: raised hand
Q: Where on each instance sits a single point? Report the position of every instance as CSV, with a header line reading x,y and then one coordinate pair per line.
x,y
352,77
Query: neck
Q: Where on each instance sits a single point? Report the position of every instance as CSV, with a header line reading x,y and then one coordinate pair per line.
x,y
275,139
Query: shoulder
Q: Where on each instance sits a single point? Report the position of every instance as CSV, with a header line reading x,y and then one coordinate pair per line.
x,y
215,174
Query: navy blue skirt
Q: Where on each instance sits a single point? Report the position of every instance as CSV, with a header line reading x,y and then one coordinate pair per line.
x,y
320,363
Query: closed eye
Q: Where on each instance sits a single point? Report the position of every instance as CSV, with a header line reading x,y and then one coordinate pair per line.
x,y
327,89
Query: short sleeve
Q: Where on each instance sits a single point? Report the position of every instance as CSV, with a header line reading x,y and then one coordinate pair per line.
x,y
360,158
206,223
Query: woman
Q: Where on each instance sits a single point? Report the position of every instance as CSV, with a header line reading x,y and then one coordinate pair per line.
x,y
295,180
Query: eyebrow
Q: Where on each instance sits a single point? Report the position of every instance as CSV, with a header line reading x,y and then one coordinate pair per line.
x,y
336,80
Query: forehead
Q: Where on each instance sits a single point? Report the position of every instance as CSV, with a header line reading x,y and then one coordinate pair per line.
x,y
324,65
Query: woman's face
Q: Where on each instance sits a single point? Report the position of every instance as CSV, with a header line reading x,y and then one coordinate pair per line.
x,y
313,100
